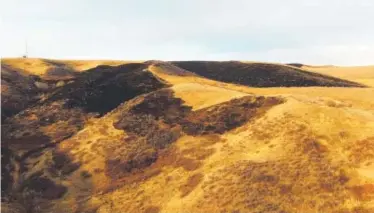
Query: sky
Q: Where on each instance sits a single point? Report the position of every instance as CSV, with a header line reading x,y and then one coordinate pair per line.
x,y
321,32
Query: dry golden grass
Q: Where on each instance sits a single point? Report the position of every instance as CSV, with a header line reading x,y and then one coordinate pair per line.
x,y
312,153
293,159
34,66
360,74
88,64
38,66
306,139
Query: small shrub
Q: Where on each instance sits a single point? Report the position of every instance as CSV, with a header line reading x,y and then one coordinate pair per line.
x,y
85,174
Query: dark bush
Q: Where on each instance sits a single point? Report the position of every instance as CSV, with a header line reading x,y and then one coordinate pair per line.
x,y
62,164
44,186
85,174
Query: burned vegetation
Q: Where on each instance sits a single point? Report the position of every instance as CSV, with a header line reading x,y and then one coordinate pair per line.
x,y
131,122
66,110
18,91
156,120
35,166
261,74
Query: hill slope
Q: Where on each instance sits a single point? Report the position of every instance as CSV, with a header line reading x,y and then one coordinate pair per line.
x,y
41,67
153,137
64,111
261,74
363,74
19,90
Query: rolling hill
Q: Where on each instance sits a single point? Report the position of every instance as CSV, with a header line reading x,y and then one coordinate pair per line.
x,y
189,137
261,74
361,74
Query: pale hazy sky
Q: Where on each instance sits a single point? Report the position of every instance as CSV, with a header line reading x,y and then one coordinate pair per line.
x,y
308,31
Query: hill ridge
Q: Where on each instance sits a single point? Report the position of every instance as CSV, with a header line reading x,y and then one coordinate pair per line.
x,y
138,137
261,74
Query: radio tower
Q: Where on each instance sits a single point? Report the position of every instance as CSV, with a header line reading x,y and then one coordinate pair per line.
x,y
25,55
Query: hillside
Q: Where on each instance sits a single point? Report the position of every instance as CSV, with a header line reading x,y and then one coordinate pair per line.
x,y
49,68
160,137
261,74
17,91
26,81
64,111
361,74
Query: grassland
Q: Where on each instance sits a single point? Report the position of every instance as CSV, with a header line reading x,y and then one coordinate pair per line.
x,y
193,144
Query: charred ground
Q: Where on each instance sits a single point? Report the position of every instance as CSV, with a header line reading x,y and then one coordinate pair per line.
x,y
261,74
121,139
66,109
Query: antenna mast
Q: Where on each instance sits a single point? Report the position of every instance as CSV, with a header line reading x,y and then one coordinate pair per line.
x,y
25,55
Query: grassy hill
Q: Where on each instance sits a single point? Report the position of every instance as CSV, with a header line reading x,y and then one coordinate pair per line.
x,y
261,74
361,74
161,137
